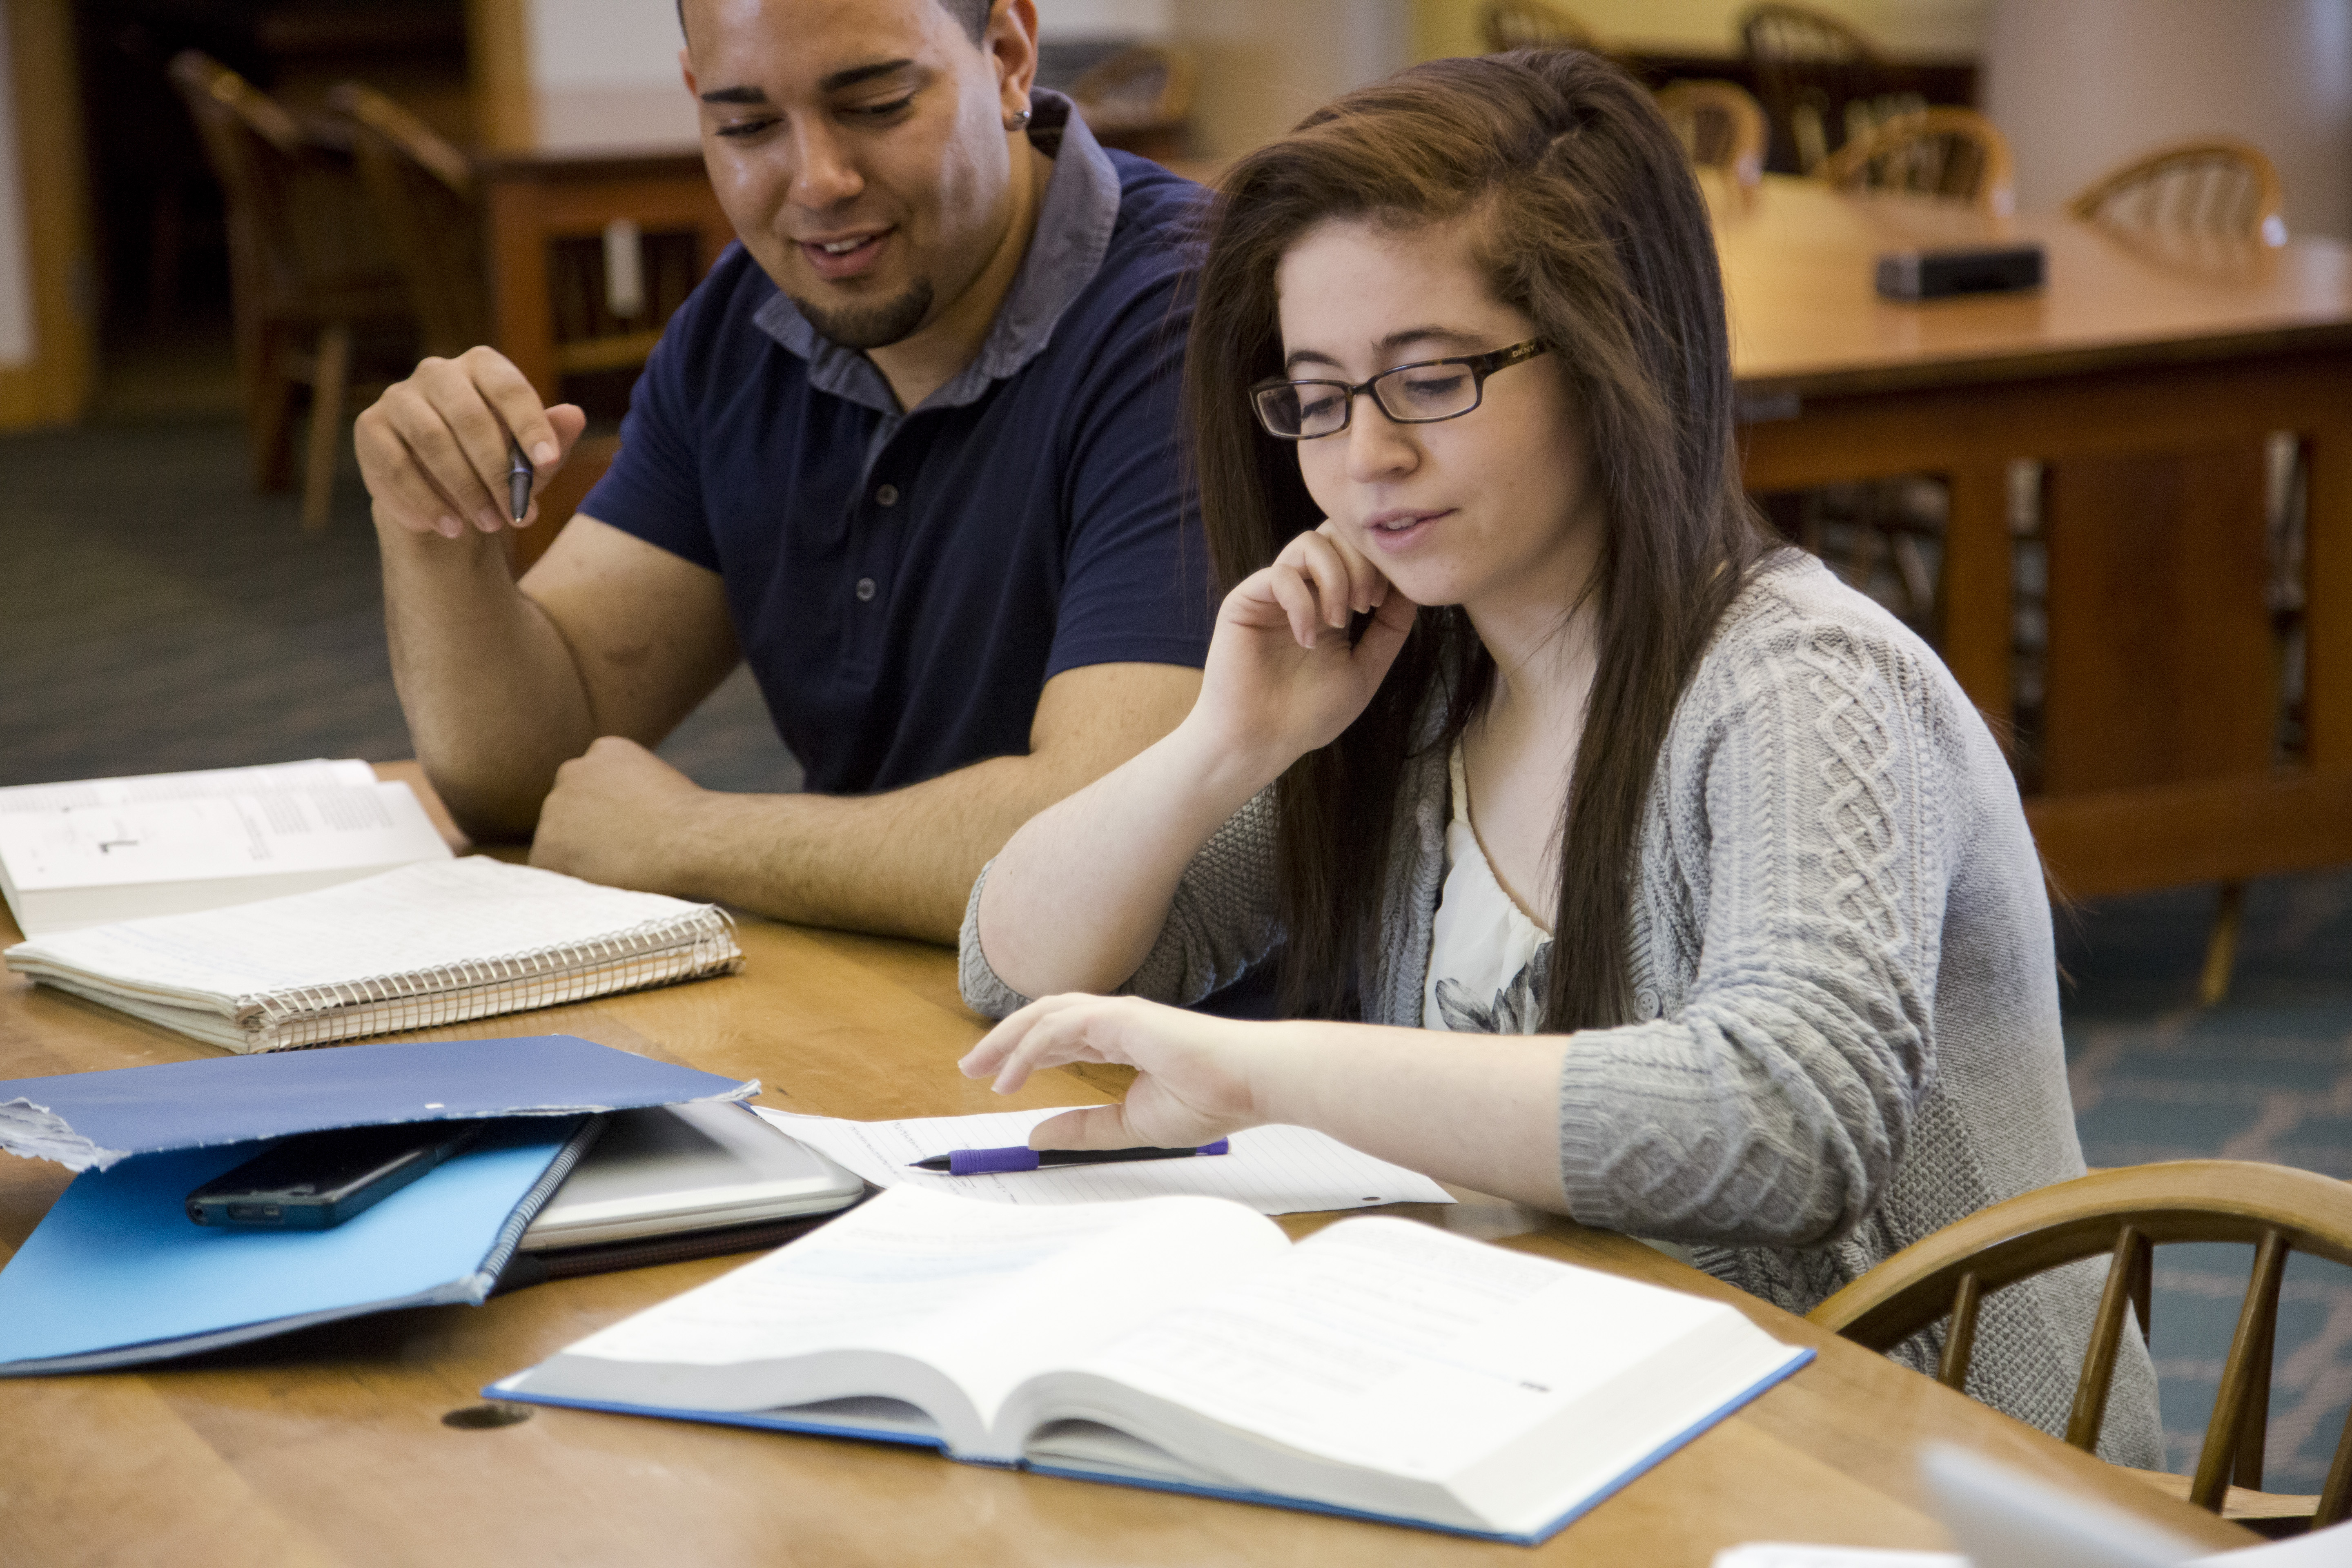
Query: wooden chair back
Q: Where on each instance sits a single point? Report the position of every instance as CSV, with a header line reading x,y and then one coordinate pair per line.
x,y
1530,24
421,191
1812,70
1955,153
2124,1214
2216,186
1720,125
298,229
309,270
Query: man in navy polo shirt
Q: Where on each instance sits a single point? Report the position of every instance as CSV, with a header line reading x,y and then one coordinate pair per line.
x,y
910,450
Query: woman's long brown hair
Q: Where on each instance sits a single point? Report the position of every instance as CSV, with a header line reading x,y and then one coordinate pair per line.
x,y
1591,223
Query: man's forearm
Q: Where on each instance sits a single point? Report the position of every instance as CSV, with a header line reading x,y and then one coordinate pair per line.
x,y
494,702
901,863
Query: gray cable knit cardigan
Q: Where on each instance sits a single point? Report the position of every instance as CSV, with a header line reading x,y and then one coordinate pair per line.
x,y
1845,986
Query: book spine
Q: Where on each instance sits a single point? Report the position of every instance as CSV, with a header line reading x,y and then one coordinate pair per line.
x,y
645,955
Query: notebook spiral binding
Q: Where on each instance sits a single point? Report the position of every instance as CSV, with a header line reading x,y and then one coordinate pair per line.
x,y
654,953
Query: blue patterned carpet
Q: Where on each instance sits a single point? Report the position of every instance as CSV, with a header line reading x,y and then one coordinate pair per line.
x,y
2267,1075
155,615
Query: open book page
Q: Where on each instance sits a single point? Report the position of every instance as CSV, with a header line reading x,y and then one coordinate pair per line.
x,y
986,1294
1394,1347
310,828
476,917
315,775
1273,1169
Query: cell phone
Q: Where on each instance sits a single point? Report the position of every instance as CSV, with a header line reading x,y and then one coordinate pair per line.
x,y
319,1180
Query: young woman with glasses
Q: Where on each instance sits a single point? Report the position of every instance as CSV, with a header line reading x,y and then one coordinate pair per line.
x,y
1616,860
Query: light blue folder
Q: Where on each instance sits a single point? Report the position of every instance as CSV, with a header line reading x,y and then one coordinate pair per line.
x,y
117,1273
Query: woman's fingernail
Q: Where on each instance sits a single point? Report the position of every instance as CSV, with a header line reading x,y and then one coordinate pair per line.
x,y
543,454
449,527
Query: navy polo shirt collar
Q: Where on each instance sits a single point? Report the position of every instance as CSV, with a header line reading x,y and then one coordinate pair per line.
x,y
1074,227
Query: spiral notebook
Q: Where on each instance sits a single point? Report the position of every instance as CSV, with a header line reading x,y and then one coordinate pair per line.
x,y
429,945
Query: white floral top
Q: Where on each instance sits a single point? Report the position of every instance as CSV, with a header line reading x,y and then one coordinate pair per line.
x,y
1483,977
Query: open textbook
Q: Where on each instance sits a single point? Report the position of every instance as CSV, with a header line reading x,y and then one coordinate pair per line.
x,y
1379,1368
412,949
75,855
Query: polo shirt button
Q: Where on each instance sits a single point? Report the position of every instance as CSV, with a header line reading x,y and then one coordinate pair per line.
x,y
864,589
887,496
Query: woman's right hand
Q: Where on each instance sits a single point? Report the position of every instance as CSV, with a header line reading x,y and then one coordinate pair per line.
x,y
1282,679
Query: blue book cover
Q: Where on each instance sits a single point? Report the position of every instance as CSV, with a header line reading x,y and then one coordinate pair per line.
x,y
1636,1465
116,1273
90,1121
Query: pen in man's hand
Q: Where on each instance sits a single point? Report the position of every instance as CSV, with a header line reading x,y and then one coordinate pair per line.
x,y
519,475
991,1162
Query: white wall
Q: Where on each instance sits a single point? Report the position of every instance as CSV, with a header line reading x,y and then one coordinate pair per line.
x,y
1264,63
1955,27
1066,21
604,43
2080,85
16,340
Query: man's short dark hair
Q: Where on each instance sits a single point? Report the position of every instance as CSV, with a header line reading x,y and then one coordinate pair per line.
x,y
973,13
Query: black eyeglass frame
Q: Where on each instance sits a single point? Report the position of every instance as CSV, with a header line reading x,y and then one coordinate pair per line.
x,y
1480,367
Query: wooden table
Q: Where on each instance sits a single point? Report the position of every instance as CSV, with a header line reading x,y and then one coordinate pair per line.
x,y
2148,382
327,1446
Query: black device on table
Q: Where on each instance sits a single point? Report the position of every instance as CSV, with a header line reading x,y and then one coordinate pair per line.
x,y
321,1178
1959,269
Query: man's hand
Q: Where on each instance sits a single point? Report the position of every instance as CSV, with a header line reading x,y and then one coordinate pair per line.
x,y
620,815
433,450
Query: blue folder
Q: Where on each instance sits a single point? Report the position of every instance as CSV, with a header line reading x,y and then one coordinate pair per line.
x,y
90,1121
116,1273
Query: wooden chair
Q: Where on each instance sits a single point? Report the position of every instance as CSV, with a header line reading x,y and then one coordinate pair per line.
x,y
1811,69
307,270
2125,1214
1951,153
422,192
1720,125
1140,99
2217,185
1530,25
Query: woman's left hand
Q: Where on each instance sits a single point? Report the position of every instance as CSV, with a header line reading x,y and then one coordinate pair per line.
x,y
1193,1079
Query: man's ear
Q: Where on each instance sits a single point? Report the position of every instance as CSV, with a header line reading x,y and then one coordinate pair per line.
x,y
686,70
1011,43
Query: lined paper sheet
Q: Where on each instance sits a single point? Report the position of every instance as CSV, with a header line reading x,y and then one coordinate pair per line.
x,y
210,782
1273,1169
313,827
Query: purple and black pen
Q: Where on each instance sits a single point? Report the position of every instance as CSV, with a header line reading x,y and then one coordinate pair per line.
x,y
994,1161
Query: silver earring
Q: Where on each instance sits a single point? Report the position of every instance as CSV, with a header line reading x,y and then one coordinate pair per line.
x,y
1020,121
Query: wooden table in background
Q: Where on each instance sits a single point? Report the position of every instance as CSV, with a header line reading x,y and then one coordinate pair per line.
x,y
2149,383
580,160
327,1446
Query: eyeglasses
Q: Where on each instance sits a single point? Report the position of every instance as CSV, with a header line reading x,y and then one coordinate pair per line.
x,y
1419,394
